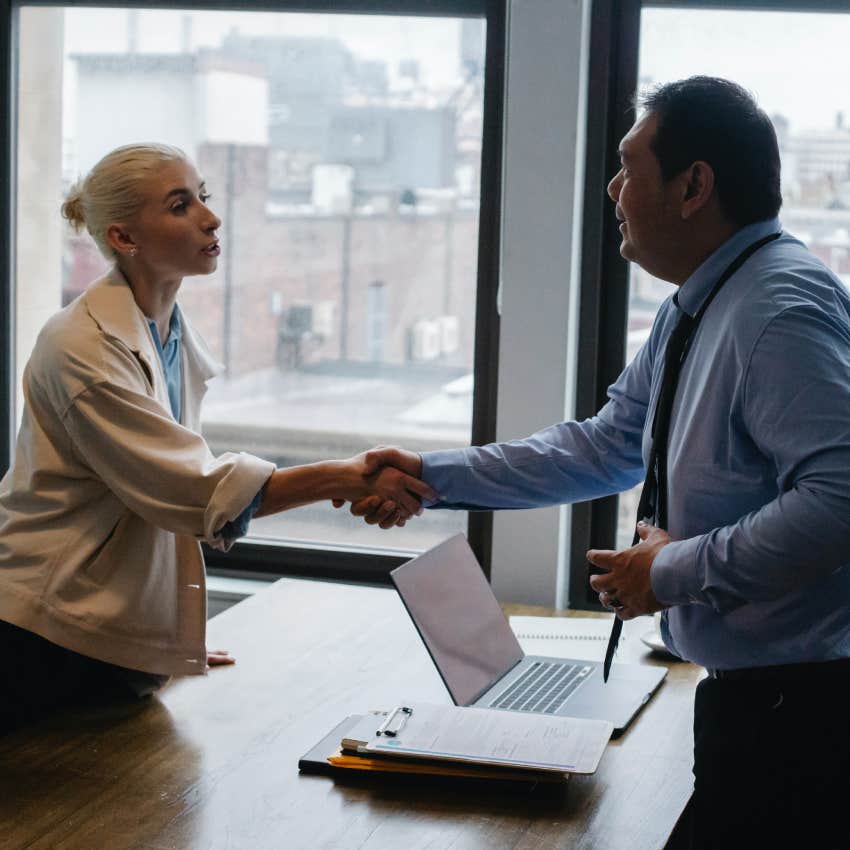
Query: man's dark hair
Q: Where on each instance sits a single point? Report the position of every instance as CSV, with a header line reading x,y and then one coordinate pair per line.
x,y
718,122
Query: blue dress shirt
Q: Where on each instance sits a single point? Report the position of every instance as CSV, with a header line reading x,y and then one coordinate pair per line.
x,y
758,460
170,357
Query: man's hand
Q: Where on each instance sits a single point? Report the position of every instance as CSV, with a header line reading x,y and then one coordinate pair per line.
x,y
389,461
625,587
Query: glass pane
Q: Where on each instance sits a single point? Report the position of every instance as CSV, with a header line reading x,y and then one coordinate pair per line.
x,y
808,108
343,156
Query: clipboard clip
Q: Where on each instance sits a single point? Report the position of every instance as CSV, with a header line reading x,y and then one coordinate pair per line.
x,y
387,728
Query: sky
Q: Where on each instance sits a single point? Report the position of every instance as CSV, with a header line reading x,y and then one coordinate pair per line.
x,y
795,63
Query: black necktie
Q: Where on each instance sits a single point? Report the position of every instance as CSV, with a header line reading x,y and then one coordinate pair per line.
x,y
653,497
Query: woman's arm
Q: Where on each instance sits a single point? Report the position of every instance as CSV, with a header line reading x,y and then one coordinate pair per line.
x,y
349,480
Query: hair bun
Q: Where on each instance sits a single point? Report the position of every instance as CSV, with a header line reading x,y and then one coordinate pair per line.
x,y
72,209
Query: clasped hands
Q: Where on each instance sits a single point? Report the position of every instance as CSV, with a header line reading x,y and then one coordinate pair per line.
x,y
393,490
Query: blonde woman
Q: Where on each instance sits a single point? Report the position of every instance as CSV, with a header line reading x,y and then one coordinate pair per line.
x,y
112,488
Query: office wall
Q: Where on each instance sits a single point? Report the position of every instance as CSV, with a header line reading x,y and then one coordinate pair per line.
x,y
544,130
39,195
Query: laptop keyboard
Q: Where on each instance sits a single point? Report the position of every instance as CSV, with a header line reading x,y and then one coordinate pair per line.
x,y
543,688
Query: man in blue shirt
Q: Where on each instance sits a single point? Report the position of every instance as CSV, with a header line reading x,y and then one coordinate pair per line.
x,y
752,569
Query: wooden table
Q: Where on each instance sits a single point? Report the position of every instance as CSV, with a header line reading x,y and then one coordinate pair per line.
x,y
212,762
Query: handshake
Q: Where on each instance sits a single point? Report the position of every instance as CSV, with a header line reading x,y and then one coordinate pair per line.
x,y
388,489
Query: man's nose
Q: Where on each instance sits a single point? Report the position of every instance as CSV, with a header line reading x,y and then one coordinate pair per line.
x,y
614,186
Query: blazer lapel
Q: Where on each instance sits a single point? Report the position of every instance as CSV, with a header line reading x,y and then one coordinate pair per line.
x,y
111,304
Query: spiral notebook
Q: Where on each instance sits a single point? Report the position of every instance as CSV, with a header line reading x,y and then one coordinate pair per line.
x,y
584,638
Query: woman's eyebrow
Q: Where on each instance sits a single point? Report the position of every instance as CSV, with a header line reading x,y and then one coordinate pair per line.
x,y
182,190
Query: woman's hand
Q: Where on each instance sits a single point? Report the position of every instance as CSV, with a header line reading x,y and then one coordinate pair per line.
x,y
219,658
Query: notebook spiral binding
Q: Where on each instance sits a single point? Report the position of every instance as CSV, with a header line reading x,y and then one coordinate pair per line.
x,y
549,636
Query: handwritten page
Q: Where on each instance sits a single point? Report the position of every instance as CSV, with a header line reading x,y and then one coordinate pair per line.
x,y
485,736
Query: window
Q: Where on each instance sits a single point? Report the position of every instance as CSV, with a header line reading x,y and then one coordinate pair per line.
x,y
344,156
651,43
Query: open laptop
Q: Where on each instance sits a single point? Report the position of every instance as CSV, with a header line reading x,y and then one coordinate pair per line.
x,y
481,662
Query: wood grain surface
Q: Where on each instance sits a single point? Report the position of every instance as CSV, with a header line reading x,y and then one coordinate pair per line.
x,y
212,761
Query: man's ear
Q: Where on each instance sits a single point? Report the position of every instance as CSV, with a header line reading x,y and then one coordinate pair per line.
x,y
698,188
120,239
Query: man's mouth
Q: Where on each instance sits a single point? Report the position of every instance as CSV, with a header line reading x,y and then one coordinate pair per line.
x,y
212,250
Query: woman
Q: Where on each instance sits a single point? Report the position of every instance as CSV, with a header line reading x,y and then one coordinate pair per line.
x,y
112,488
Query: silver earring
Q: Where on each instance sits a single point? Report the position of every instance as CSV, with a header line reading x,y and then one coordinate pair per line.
x,y
133,251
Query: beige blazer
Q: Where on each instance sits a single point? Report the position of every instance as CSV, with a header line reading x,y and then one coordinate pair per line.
x,y
108,497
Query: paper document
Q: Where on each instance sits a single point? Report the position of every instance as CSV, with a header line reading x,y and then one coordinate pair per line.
x,y
485,736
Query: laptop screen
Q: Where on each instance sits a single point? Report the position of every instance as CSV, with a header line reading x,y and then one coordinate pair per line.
x,y
458,618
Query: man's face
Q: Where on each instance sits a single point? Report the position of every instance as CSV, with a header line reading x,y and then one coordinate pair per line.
x,y
645,204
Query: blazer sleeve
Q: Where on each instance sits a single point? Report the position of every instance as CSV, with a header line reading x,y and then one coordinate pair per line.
x,y
160,470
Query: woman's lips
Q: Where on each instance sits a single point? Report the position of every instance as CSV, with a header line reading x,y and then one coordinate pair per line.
x,y
212,250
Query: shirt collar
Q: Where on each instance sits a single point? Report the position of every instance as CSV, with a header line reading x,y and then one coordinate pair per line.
x,y
175,328
696,288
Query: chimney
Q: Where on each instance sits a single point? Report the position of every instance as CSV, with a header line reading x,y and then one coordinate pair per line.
x,y
186,33
133,31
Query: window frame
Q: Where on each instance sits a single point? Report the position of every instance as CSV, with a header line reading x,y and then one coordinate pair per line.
x,y
604,293
290,558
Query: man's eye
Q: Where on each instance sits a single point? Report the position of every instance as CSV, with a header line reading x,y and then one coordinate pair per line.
x,y
179,207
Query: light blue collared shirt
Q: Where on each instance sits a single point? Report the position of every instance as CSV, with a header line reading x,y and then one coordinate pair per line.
x,y
171,360
758,460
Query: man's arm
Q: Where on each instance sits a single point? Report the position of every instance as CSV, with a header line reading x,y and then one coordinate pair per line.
x,y
567,462
796,408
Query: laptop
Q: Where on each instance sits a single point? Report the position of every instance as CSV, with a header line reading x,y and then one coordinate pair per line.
x,y
480,659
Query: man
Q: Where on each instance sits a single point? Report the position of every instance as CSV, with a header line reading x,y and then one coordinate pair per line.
x,y
751,570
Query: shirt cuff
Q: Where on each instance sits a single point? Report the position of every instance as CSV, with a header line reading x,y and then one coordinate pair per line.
x,y
238,527
443,471
673,574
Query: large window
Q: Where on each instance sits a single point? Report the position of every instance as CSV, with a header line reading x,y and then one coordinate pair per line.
x,y
344,156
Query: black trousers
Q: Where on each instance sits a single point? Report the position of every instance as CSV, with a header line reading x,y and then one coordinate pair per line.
x,y
771,763
38,677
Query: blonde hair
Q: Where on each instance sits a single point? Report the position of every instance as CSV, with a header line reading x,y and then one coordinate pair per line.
x,y
109,193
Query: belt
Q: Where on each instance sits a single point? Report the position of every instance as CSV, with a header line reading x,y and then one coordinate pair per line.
x,y
786,672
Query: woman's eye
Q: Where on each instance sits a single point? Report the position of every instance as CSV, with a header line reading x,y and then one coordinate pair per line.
x,y
205,197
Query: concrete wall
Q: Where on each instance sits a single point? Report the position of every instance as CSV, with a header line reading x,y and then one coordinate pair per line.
x,y
39,148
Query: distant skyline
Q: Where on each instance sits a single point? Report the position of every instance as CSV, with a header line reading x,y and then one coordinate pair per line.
x,y
434,42
795,63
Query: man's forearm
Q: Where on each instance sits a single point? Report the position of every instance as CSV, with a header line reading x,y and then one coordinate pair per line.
x,y
799,538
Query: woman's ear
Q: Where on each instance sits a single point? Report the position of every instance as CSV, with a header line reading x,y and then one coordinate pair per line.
x,y
120,240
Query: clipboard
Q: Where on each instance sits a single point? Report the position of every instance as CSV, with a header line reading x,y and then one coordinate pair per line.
x,y
483,737
327,758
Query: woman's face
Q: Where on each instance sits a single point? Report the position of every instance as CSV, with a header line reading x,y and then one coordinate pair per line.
x,y
174,234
